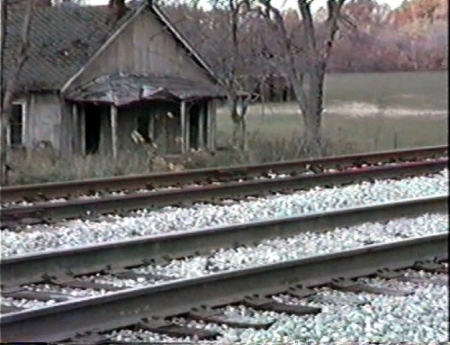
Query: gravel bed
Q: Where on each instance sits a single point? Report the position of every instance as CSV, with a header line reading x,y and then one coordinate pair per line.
x,y
419,318
72,292
26,303
302,245
279,250
267,252
174,219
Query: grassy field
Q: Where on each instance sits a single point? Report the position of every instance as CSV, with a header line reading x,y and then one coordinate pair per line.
x,y
367,112
364,112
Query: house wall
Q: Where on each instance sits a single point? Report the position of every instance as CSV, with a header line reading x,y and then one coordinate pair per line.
x,y
143,47
43,120
69,139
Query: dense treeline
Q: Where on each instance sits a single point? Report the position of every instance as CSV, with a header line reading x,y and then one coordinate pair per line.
x,y
376,39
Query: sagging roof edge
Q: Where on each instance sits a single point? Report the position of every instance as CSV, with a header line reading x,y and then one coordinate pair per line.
x,y
192,99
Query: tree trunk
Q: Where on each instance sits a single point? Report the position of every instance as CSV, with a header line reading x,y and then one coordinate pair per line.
x,y
244,140
235,119
5,116
239,136
8,93
313,115
240,132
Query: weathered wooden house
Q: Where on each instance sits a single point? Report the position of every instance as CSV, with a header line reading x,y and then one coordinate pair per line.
x,y
95,74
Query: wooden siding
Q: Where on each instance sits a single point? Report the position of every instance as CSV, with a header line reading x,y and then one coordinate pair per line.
x,y
43,120
68,134
143,47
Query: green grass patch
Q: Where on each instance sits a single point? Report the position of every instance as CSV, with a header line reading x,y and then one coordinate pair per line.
x,y
367,112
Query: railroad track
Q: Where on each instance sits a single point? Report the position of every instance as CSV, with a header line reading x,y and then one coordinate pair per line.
x,y
151,308
119,259
118,255
72,189
16,216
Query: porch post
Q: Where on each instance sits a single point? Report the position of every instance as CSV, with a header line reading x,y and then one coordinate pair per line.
x,y
151,128
183,127
74,134
187,145
114,130
201,127
82,119
211,125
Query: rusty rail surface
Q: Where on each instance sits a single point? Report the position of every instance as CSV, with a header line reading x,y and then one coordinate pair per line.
x,y
221,174
48,212
130,307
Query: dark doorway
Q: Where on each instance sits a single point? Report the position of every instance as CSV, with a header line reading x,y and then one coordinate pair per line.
x,y
285,95
195,112
93,126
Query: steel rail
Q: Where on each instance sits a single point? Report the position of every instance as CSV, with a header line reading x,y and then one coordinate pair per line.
x,y
131,183
31,268
79,208
125,308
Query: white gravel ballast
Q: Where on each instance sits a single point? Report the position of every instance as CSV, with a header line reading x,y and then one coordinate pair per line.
x,y
267,252
173,219
292,248
346,318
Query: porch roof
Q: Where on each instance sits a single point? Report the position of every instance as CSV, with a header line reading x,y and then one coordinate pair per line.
x,y
123,89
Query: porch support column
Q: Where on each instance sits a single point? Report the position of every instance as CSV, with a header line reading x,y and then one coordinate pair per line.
x,y
187,147
201,127
183,127
82,119
114,138
211,125
75,133
151,128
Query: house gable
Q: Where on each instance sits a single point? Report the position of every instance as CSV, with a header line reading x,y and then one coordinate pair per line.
x,y
146,46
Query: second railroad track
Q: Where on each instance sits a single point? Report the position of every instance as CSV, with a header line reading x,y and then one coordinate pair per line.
x,y
290,177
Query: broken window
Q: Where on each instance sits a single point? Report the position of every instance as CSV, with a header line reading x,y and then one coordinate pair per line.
x,y
16,124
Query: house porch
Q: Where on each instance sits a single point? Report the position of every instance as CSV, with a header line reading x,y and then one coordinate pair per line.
x,y
172,114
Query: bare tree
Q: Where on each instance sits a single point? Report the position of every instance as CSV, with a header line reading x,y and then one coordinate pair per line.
x,y
9,86
313,49
238,99
222,37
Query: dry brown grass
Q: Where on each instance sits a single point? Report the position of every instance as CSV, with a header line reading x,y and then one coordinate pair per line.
x,y
263,150
40,166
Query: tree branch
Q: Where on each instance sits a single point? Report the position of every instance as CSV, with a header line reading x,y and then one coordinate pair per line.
x,y
21,59
334,14
308,27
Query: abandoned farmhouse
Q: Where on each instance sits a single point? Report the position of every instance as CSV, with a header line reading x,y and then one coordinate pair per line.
x,y
92,78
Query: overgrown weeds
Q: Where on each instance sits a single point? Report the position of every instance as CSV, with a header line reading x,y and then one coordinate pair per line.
x,y
39,166
46,165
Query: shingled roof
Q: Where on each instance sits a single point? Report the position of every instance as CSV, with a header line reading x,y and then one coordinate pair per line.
x,y
62,39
